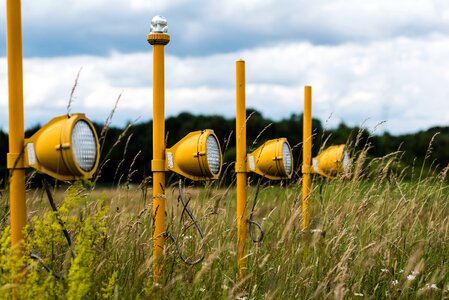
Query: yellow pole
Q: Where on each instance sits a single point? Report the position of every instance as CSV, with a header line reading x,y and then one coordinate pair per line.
x,y
158,40
307,157
16,125
240,168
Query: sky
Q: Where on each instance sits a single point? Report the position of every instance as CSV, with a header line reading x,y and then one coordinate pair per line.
x,y
380,64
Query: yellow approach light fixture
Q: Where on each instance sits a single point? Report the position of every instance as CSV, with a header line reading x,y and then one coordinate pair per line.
x,y
331,162
66,148
197,156
272,160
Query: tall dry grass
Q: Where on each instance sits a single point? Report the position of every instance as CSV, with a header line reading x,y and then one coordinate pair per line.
x,y
373,235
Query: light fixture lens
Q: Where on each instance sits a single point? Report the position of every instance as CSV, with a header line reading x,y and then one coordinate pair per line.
x,y
213,154
84,146
287,158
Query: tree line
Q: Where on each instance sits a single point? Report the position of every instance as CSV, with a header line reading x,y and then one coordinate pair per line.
x,y
126,152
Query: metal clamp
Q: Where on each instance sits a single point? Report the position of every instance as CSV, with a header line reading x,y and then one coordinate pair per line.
x,y
14,161
158,165
306,169
241,167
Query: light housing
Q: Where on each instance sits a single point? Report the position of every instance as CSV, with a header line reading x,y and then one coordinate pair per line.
x,y
331,162
272,160
66,148
197,156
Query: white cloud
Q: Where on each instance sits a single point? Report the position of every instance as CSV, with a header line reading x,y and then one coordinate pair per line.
x,y
402,80
206,27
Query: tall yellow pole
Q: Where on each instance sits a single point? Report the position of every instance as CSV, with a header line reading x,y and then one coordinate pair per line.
x,y
307,157
158,39
16,124
240,168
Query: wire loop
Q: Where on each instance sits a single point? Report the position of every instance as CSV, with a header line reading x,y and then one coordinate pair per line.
x,y
185,209
251,222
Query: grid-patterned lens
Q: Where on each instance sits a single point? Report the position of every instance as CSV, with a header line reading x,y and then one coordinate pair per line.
x,y
213,154
84,146
287,158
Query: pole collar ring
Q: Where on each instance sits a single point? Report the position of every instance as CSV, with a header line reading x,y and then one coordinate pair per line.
x,y
158,38
14,161
241,168
306,169
158,165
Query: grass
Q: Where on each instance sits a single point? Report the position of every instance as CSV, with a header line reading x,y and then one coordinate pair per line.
x,y
374,235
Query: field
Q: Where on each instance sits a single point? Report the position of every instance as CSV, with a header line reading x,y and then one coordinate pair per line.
x,y
373,234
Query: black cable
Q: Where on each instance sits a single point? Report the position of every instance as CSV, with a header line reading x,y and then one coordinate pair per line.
x,y
251,222
41,262
321,192
58,218
187,210
180,253
194,221
36,257
322,184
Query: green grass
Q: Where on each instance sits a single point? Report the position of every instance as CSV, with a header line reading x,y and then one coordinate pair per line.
x,y
375,235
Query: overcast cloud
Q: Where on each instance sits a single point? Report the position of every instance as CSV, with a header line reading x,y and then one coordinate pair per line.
x,y
368,61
